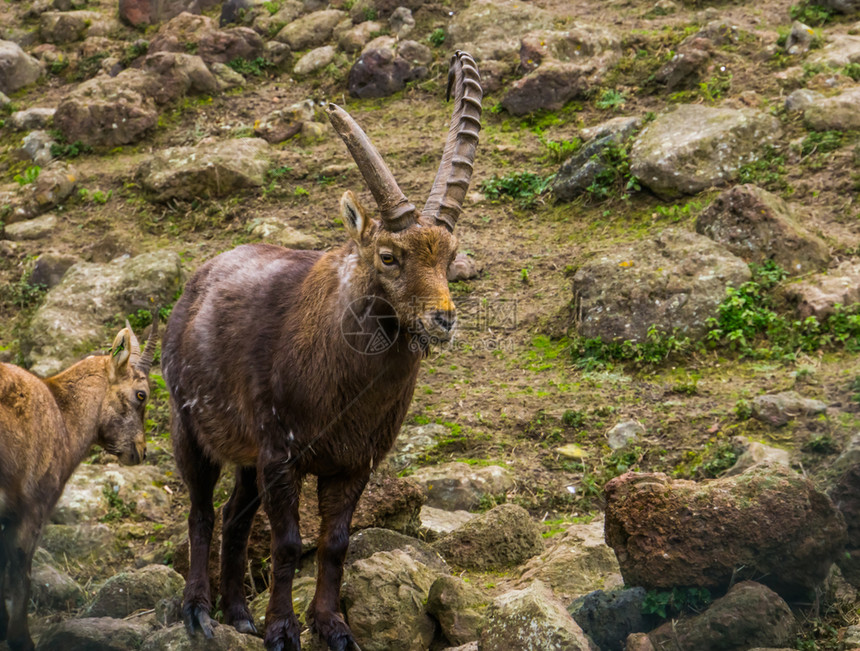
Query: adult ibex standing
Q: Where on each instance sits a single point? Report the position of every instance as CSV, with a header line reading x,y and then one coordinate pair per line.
x,y
285,363
46,429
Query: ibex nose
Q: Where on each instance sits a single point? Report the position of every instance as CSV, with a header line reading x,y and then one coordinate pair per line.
x,y
444,319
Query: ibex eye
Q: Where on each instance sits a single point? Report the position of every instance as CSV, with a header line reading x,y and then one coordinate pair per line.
x,y
387,259
141,396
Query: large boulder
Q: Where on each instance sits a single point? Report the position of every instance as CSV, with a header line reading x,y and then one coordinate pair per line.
x,y
52,589
693,147
758,226
819,294
608,617
840,112
768,522
675,282
73,315
384,599
313,30
502,537
225,638
178,74
213,169
531,618
62,27
367,542
459,608
134,590
575,563
749,615
459,486
380,72
561,66
94,634
201,34
491,30
17,68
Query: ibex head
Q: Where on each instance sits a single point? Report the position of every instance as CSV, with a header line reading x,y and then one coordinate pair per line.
x,y
408,253
121,422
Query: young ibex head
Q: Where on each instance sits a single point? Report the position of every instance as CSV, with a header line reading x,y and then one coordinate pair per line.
x,y
408,253
121,421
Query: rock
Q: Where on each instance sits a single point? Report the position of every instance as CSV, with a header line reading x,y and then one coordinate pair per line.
x,y
34,118
17,68
620,128
383,8
50,267
458,607
128,592
53,186
283,124
384,598
36,146
109,112
140,13
818,295
379,73
312,30
609,617
275,231
60,27
841,49
488,29
314,60
83,542
755,453
73,315
462,268
413,441
758,226
845,495
179,74
401,22
575,563
801,99
842,6
459,486
639,642
841,112
799,38
549,87
226,77
531,618
34,229
367,542
52,589
769,521
687,66
693,147
278,55
624,434
749,615
778,409
84,500
226,638
675,282
303,592
357,36
415,53
213,169
201,34
502,537
94,634
438,522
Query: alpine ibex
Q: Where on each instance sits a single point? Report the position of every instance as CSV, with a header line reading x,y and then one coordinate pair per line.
x,y
46,429
285,363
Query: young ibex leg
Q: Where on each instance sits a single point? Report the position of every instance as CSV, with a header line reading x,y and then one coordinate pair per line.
x,y
20,543
338,496
4,616
281,487
238,515
200,476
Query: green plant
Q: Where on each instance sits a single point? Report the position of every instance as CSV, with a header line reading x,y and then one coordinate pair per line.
x,y
821,142
135,50
852,70
611,99
665,603
614,178
676,212
768,170
370,13
89,66
95,196
523,187
118,509
743,409
592,354
300,192
559,151
573,418
61,149
22,294
437,37
810,13
58,65
823,444
272,6
255,67
28,176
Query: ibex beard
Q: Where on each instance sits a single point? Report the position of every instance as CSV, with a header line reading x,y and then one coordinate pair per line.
x,y
267,358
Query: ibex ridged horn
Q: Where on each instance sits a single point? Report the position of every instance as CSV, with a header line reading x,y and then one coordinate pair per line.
x,y
135,345
146,358
455,171
395,209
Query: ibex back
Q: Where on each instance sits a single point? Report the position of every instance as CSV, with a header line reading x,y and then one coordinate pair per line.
x,y
285,363
46,429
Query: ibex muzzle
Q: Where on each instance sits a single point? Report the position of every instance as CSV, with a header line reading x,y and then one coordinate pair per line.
x,y
285,363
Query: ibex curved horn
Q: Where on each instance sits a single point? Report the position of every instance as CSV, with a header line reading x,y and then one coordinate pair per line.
x,y
146,358
135,345
395,209
455,171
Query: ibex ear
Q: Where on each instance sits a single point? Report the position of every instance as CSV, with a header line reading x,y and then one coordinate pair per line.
x,y
354,218
120,352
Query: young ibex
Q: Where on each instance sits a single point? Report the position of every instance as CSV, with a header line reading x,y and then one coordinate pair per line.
x,y
46,429
285,363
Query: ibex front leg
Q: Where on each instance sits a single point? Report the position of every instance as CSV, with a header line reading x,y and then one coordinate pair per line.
x,y
338,496
281,488
19,542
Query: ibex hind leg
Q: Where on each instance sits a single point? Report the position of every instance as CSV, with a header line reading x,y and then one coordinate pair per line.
x,y
200,475
4,616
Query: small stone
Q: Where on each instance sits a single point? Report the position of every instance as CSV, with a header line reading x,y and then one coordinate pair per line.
x,y
34,118
33,229
314,60
401,22
438,522
779,409
801,99
624,434
756,452
462,268
800,38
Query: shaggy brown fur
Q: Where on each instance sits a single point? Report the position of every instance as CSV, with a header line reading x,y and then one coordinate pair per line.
x,y
46,429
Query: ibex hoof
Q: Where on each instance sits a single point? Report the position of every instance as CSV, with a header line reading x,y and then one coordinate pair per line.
x,y
283,635
196,619
245,626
